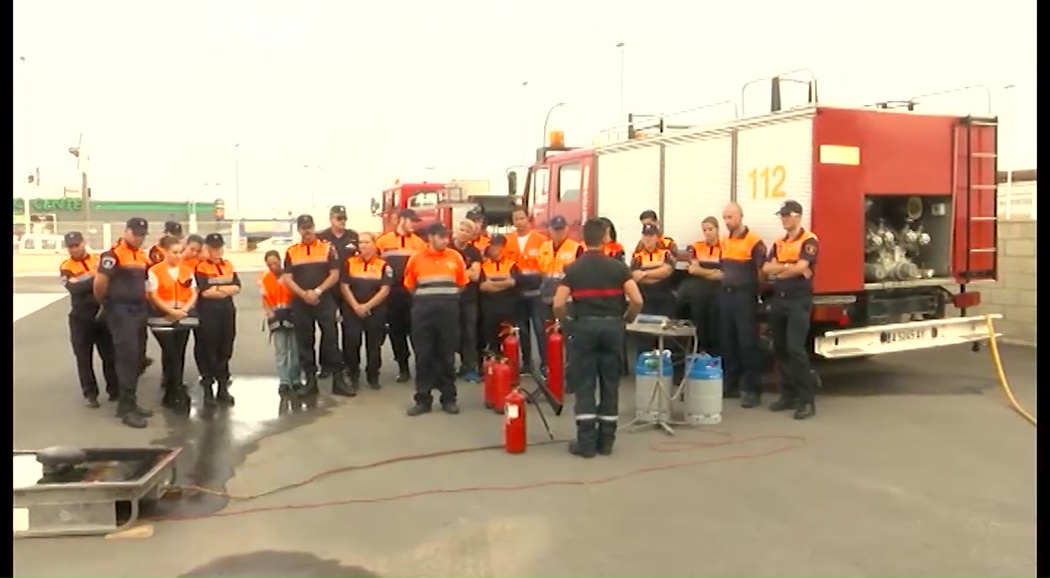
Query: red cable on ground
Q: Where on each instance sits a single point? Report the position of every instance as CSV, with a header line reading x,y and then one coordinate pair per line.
x,y
790,442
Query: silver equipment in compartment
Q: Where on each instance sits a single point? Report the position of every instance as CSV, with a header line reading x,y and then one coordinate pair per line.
x,y
895,253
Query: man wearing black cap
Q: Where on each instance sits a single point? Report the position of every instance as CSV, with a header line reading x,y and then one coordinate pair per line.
x,y
311,269
435,277
344,241
395,248
218,283
86,332
120,287
792,260
171,229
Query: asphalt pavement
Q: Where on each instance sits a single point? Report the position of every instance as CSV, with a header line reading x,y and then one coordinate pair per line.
x,y
914,466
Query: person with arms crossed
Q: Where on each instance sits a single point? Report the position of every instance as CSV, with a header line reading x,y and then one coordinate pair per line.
x,y
396,247
597,285
469,366
172,287
792,262
344,241
86,332
218,284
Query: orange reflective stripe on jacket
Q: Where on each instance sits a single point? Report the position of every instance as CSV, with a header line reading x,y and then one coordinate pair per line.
x,y
76,271
130,258
497,270
220,273
274,293
173,291
788,251
302,254
708,256
651,259
553,261
528,261
613,249
435,273
357,267
482,243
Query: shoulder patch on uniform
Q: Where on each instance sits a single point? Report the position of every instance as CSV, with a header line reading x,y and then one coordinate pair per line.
x,y
811,248
107,262
388,271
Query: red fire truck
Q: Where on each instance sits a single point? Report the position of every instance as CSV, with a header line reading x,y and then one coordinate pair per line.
x,y
904,204
447,203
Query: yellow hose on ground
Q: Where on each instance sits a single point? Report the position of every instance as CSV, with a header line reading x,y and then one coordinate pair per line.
x,y
998,362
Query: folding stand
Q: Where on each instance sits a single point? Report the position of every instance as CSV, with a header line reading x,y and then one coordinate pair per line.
x,y
662,331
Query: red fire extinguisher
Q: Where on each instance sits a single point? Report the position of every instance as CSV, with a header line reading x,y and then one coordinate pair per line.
x,y
514,429
488,373
502,384
510,347
556,362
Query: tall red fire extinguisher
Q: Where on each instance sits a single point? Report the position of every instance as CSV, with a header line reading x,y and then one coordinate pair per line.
x,y
514,429
488,374
556,362
511,349
502,384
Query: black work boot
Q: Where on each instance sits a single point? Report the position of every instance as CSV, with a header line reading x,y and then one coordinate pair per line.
x,y
606,438
355,382
92,401
284,389
586,443
450,407
373,380
806,409
419,408
339,386
131,417
208,392
784,403
310,388
181,401
403,373
750,399
223,395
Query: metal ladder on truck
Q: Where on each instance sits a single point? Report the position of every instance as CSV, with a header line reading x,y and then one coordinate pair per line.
x,y
975,177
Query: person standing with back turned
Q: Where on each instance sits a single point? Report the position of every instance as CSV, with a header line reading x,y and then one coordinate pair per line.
x,y
743,255
790,269
120,286
597,285
396,247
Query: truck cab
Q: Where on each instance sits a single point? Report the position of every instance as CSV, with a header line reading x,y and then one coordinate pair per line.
x,y
420,197
445,203
559,183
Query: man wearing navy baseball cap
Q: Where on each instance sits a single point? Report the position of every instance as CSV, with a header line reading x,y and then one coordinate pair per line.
x,y
555,255
344,240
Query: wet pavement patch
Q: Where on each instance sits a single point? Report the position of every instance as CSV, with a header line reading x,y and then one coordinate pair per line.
x,y
216,440
275,563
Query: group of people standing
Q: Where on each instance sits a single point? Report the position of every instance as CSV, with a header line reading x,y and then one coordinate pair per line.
x,y
437,295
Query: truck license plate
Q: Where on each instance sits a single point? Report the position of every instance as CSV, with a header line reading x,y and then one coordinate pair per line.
x,y
907,335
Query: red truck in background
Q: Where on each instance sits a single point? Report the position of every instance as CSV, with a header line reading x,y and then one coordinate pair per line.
x,y
904,204
447,203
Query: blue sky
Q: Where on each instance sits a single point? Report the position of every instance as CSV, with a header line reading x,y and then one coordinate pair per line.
x,y
375,91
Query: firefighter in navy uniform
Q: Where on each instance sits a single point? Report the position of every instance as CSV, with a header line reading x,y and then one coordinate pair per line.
x,y
435,277
743,255
395,248
790,269
172,229
365,286
120,286
86,332
597,285
344,241
217,283
499,297
311,268
469,314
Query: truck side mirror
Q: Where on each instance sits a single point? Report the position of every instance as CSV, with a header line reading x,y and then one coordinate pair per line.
x,y
374,206
512,183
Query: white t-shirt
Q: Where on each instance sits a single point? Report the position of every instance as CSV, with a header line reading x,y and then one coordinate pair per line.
x,y
152,283
522,241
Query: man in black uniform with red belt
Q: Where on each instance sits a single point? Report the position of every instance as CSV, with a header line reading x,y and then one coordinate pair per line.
x,y
120,286
597,285
344,241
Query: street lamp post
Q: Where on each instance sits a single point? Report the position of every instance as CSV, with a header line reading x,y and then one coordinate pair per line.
x,y
313,183
546,120
524,121
621,46
25,116
191,207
